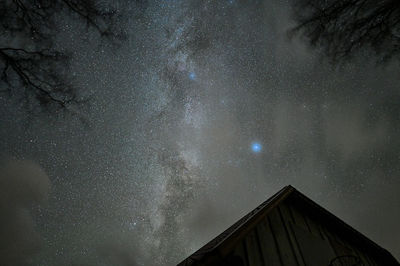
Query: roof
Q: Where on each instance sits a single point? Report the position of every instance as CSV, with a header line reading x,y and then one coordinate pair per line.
x,y
223,243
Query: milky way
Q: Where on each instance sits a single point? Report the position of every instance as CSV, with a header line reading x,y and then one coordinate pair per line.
x,y
205,111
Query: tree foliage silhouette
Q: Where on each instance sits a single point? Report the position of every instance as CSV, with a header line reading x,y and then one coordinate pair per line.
x,y
342,28
30,64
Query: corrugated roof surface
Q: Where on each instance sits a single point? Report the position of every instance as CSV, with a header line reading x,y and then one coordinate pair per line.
x,y
250,220
210,246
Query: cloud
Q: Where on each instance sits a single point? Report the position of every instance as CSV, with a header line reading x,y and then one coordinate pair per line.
x,y
22,184
115,252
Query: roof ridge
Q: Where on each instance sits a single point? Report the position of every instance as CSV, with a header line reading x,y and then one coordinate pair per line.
x,y
237,230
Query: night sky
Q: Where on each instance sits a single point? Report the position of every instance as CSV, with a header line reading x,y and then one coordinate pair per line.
x,y
201,114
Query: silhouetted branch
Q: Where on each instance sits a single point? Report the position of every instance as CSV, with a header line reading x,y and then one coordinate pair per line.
x,y
28,67
343,27
28,61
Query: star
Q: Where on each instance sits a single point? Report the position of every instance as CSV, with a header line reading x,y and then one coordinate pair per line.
x,y
192,75
256,147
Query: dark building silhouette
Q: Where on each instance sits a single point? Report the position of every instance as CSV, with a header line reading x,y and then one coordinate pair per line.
x,y
290,229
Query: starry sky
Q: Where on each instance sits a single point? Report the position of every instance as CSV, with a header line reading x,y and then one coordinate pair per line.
x,y
202,113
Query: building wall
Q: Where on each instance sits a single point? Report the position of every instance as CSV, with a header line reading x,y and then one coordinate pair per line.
x,y
290,236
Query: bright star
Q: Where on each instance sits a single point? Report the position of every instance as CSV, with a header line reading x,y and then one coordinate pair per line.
x,y
192,75
256,147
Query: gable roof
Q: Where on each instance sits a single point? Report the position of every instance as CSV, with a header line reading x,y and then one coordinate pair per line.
x,y
223,243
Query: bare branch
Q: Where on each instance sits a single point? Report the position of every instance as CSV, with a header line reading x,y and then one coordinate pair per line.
x,y
29,65
344,27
